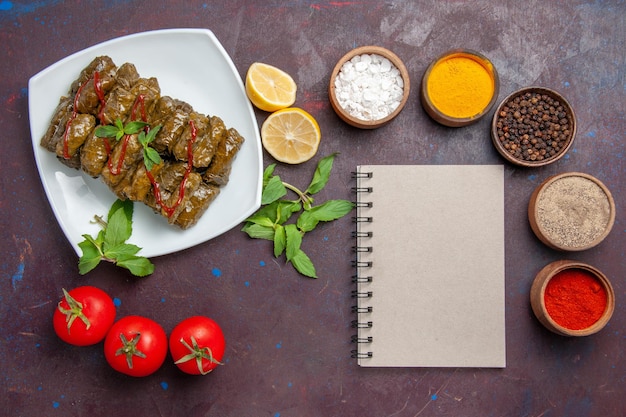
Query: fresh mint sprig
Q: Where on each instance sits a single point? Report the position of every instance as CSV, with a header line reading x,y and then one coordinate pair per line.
x,y
150,155
110,243
270,222
118,130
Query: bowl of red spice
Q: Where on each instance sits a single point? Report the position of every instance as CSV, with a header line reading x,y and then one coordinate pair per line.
x,y
572,298
533,127
459,88
369,87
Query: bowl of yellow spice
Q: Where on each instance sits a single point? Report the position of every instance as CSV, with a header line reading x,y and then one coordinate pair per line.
x,y
459,88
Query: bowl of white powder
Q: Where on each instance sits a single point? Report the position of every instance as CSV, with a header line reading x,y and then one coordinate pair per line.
x,y
369,86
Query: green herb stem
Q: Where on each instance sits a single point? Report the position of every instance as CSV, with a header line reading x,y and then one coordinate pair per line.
x,y
306,200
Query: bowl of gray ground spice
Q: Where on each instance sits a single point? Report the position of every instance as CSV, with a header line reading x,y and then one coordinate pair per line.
x,y
571,211
533,127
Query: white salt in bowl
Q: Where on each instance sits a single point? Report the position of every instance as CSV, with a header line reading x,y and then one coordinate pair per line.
x,y
369,87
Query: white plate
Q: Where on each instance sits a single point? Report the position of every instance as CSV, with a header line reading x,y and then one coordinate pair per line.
x,y
190,65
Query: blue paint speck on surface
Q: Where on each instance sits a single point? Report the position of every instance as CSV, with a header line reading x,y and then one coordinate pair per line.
x,y
279,345
433,397
216,272
262,263
19,274
247,283
325,238
591,134
6,5
55,404
277,415
117,302
164,385
532,177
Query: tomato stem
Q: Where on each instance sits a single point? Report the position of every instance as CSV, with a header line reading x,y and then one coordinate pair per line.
x,y
129,349
197,353
75,311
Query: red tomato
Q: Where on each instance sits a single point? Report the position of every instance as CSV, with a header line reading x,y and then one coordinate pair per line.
x,y
84,316
197,345
135,346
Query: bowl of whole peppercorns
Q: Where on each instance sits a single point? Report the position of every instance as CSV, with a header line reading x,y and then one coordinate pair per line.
x,y
533,127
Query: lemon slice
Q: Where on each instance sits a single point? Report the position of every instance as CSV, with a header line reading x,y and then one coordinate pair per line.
x,y
270,88
291,135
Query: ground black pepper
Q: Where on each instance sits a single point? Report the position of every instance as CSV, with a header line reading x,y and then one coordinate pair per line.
x,y
533,126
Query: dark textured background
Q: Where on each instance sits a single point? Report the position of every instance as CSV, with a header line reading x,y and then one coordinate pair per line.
x,y
289,337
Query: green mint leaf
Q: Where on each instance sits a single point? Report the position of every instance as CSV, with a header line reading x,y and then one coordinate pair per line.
x,y
91,256
260,220
284,210
146,160
303,264
332,210
107,131
127,205
122,251
280,239
321,175
294,240
133,127
97,242
267,174
118,230
137,265
143,139
256,231
307,221
325,212
151,158
268,211
153,155
152,133
274,190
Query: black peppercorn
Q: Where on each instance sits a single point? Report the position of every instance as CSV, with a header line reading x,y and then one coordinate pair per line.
x,y
533,126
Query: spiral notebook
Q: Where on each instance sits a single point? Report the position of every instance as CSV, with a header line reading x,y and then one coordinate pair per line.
x,y
429,266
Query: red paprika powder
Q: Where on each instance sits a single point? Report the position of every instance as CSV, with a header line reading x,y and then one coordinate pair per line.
x,y
575,299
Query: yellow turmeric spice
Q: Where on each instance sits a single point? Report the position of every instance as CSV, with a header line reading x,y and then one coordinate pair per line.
x,y
460,86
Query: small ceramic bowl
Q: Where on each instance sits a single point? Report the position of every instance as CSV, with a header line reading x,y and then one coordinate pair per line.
x,y
572,211
485,78
353,119
538,290
533,127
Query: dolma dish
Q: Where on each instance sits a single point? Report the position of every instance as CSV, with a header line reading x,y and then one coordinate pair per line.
x,y
196,151
191,67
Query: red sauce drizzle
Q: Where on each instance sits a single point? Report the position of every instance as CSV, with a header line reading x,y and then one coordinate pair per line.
x,y
66,139
98,87
140,102
169,210
116,169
